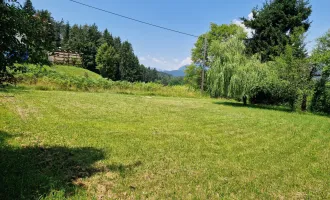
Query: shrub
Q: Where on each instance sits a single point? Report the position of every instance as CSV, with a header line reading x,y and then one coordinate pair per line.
x,y
273,92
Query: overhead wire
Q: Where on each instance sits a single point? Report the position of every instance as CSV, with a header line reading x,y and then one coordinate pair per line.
x,y
133,19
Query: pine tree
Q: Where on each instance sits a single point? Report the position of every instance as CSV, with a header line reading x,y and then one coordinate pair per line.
x,y
66,36
107,37
93,35
58,33
274,23
28,7
76,38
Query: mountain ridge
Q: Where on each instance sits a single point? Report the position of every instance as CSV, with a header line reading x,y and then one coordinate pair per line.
x,y
177,73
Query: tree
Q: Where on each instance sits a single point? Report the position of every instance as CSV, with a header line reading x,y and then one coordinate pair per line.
x,y
154,75
107,38
42,32
227,57
108,60
143,70
117,43
90,38
58,26
93,35
28,7
25,36
193,76
232,74
273,25
129,63
66,36
12,34
295,69
217,32
76,40
296,73
321,59
88,56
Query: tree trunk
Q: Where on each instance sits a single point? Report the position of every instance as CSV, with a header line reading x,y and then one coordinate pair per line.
x,y
245,100
304,103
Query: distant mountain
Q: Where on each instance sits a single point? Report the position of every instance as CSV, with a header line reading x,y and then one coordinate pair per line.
x,y
177,73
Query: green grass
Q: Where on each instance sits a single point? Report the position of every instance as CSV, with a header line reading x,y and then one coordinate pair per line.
x,y
78,145
70,78
75,71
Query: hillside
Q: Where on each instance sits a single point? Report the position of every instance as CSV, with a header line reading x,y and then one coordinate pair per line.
x,y
75,71
85,145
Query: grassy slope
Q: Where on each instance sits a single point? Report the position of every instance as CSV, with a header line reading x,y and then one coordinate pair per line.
x,y
122,146
75,71
70,78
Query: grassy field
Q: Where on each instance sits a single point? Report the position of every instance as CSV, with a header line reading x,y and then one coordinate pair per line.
x,y
78,145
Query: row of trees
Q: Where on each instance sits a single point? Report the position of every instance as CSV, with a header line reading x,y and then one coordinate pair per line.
x,y
271,67
32,34
101,52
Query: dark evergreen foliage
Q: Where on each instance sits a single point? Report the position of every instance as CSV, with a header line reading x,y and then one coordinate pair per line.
x,y
274,23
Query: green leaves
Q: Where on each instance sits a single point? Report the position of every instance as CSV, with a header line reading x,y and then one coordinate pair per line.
x,y
216,33
108,60
227,58
321,58
274,23
193,76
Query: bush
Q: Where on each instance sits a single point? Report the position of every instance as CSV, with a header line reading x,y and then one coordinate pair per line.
x,y
273,92
321,98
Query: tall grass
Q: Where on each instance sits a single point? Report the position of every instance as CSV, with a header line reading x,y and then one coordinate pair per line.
x,y
72,79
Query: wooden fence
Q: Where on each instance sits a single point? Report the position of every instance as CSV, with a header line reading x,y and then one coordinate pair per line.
x,y
65,58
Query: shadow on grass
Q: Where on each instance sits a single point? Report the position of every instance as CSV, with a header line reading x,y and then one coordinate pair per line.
x,y
33,171
266,107
13,89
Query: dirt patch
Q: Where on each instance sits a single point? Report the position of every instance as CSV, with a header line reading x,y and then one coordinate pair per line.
x,y
6,99
22,113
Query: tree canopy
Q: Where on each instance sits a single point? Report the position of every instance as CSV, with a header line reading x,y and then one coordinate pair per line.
x,y
219,33
25,34
273,24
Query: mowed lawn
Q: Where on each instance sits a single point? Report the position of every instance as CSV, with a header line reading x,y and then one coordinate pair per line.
x,y
56,144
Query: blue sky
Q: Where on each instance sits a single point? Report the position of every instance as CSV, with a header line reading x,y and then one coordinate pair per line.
x,y
162,49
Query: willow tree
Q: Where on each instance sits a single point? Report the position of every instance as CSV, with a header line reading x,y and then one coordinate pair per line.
x,y
232,74
247,76
226,58
216,33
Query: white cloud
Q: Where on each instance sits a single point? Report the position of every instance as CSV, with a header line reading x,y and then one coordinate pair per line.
x,y
246,29
162,63
186,61
250,16
157,60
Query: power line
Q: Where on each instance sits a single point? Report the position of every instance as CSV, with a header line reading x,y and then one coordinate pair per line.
x,y
136,20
